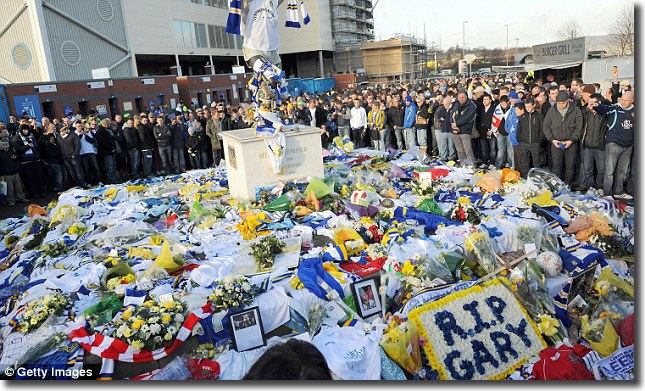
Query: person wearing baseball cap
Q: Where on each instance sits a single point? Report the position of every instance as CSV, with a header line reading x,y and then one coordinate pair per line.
x,y
563,128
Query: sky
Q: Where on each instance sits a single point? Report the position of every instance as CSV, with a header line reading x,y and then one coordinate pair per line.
x,y
532,24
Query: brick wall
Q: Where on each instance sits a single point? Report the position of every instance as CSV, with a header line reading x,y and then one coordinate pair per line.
x,y
130,91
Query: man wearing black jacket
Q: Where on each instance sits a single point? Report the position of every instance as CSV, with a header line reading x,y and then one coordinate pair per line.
x,y
9,168
106,145
31,167
462,119
163,135
593,144
484,124
395,118
177,142
53,159
530,136
133,146
70,148
147,137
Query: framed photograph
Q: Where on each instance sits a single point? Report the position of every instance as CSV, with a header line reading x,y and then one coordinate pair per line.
x,y
248,332
368,301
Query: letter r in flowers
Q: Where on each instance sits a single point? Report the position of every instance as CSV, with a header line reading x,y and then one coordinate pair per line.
x,y
482,355
504,347
446,322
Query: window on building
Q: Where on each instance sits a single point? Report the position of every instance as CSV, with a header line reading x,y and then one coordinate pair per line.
x,y
198,1
200,30
179,35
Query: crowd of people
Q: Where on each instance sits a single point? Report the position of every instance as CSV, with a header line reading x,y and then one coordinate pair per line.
x,y
583,136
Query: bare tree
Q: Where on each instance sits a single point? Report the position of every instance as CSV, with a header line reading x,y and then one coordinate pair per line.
x,y
569,29
621,32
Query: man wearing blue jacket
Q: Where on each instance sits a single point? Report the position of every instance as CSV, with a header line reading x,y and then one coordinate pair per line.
x,y
462,121
409,119
620,144
510,125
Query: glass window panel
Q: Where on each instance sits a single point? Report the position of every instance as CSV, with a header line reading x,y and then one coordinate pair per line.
x,y
179,38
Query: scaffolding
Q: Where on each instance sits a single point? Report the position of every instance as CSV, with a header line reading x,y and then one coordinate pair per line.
x,y
352,24
401,59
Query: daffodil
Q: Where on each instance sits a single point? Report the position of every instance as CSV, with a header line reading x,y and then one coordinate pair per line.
x,y
137,324
548,325
165,319
137,345
408,268
126,315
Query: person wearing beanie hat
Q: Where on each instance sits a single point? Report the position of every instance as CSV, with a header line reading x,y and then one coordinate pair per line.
x,y
409,134
513,95
563,128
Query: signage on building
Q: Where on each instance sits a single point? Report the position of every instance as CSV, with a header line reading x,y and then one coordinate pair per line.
x,y
563,51
206,79
68,110
101,73
101,109
28,104
238,69
175,89
47,88
147,81
127,106
96,84
234,91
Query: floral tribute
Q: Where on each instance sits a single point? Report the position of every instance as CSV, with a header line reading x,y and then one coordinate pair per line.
x,y
464,211
233,293
151,325
479,333
39,310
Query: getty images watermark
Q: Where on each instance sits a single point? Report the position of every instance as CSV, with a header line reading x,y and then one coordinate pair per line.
x,y
47,373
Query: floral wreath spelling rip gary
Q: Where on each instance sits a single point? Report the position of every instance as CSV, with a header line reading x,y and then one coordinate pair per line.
x,y
493,361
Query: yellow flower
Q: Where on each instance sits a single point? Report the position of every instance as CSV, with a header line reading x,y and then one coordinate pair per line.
x,y
126,315
127,333
548,325
138,323
149,303
156,240
169,305
295,283
167,337
408,268
165,319
463,200
137,345
603,287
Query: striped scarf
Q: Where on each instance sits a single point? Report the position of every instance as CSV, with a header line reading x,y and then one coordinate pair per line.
x,y
293,19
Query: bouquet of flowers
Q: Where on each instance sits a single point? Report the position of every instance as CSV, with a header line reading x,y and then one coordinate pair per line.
x,y
55,249
265,250
478,244
420,272
423,189
77,229
333,204
39,310
151,325
463,211
233,293
610,245
369,230
385,214
209,351
354,247
114,283
401,343
376,251
39,229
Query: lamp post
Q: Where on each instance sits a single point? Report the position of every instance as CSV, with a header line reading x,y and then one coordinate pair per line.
x,y
464,38
506,44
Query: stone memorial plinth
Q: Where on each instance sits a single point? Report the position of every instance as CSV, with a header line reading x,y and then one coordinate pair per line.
x,y
248,164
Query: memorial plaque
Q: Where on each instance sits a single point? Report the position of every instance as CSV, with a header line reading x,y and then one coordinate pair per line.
x,y
248,161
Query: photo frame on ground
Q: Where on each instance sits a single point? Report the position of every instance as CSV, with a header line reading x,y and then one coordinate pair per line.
x,y
366,296
247,329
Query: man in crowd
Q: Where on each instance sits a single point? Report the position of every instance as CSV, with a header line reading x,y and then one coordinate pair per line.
x,y
358,123
462,122
530,136
563,128
620,144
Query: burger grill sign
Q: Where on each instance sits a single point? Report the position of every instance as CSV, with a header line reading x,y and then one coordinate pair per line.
x,y
562,51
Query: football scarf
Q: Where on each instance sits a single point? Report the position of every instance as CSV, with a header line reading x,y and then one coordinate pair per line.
x,y
293,19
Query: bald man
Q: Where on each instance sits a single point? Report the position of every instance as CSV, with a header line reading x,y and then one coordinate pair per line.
x,y
620,144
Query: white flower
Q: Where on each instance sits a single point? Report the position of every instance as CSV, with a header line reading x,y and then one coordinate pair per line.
x,y
246,286
179,318
155,329
219,292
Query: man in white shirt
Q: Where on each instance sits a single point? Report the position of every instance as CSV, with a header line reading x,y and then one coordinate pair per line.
x,y
312,112
358,123
89,161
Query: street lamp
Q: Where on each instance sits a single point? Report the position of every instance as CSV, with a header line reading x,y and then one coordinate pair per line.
x,y
506,44
464,37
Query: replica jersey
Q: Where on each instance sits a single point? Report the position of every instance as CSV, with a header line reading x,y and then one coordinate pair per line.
x,y
261,27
